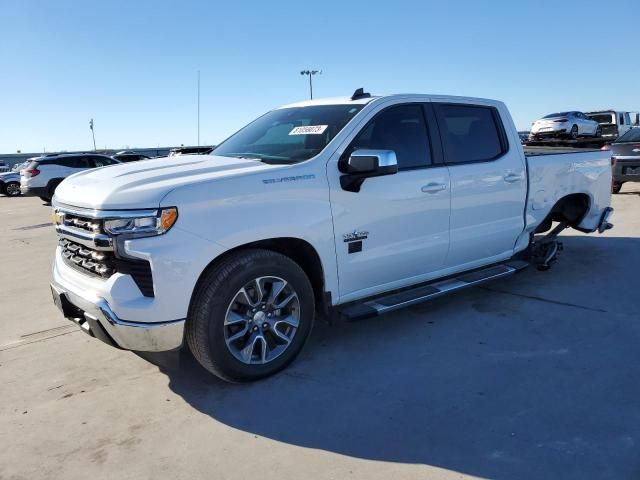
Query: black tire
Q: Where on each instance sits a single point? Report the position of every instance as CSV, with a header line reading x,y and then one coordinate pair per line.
x,y
598,133
12,189
45,199
52,189
615,187
574,133
215,292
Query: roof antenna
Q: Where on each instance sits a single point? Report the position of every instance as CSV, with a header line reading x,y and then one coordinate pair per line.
x,y
360,93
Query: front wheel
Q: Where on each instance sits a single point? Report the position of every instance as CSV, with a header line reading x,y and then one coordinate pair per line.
x,y
12,189
250,316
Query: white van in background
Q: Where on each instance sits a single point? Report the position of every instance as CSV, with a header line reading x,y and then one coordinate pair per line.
x,y
614,123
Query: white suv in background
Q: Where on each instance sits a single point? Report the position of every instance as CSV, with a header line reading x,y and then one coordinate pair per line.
x,y
41,177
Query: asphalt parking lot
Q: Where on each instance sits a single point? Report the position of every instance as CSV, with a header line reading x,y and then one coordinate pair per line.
x,y
536,376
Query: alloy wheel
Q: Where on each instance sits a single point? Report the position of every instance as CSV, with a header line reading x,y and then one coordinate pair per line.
x,y
13,189
262,320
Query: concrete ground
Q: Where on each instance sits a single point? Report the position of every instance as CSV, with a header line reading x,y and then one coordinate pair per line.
x,y
533,377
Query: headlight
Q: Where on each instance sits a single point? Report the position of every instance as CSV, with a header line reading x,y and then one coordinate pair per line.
x,y
143,226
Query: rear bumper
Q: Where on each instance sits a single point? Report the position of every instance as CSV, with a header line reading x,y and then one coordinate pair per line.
x,y
98,320
621,169
34,191
549,133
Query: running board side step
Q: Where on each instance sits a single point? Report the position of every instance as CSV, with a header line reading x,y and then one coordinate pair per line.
x,y
423,293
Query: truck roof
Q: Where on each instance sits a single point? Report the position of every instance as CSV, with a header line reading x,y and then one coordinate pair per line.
x,y
365,100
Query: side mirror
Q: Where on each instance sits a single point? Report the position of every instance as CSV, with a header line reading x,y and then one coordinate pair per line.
x,y
363,164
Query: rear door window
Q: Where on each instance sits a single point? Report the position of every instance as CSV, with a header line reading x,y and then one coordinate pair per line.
x,y
81,162
470,133
100,162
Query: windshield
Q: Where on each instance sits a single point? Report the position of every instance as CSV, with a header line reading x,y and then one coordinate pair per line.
x,y
289,135
603,118
552,115
632,135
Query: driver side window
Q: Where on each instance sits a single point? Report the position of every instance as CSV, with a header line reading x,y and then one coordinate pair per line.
x,y
402,129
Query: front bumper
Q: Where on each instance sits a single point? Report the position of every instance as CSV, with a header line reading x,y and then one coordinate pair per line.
x,y
98,320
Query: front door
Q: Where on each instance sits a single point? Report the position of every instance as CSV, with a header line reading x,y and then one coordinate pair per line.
x,y
395,230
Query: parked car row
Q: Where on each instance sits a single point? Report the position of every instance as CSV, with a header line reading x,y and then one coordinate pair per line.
x,y
40,176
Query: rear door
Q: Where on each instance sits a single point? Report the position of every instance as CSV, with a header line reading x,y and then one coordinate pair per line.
x,y
488,182
395,230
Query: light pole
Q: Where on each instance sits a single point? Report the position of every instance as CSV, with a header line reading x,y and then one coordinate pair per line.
x,y
93,134
198,107
310,73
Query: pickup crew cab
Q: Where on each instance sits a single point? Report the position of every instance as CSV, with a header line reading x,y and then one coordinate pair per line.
x,y
350,206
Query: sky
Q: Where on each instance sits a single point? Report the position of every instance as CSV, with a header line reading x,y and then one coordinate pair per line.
x,y
132,65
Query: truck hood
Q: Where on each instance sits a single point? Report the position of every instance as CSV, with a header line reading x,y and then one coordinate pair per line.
x,y
143,184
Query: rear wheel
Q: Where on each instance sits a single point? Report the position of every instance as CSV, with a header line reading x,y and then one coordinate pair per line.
x,y
615,187
574,132
250,315
12,189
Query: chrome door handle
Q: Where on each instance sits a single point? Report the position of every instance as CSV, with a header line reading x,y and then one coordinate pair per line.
x,y
434,187
512,177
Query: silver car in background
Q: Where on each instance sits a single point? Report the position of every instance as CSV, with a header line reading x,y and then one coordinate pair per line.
x,y
565,124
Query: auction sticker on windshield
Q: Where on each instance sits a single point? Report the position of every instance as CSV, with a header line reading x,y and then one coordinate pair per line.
x,y
309,130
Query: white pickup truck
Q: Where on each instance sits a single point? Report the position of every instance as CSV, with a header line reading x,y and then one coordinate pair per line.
x,y
341,207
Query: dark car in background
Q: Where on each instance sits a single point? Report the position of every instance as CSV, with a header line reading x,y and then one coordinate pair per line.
x,y
10,184
128,156
625,159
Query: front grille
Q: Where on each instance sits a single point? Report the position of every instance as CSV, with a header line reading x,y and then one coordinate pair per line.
x,y
83,223
78,232
96,262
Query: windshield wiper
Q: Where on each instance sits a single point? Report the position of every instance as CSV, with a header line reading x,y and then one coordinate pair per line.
x,y
271,159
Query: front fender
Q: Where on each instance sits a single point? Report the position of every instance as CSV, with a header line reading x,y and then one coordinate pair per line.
x,y
292,201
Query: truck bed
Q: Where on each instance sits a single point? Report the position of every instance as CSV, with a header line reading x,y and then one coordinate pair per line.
x,y
555,172
532,151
